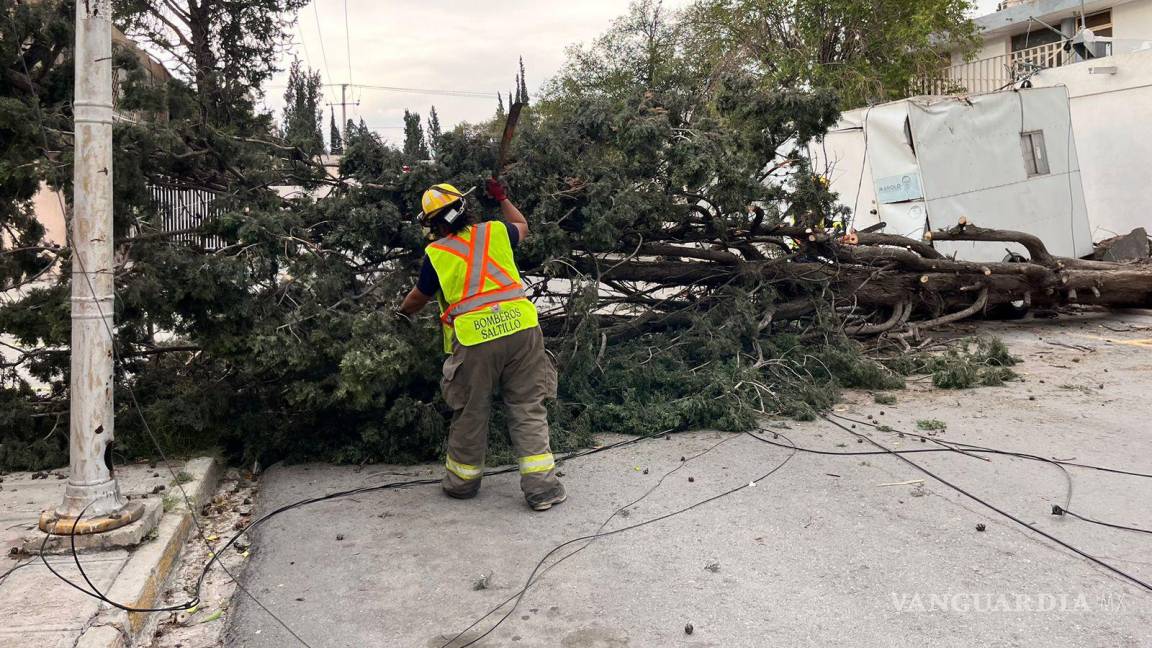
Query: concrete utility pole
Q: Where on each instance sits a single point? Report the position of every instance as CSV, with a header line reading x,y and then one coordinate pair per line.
x,y
344,103
92,487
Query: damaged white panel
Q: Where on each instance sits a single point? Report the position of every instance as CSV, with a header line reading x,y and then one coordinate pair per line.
x,y
1003,160
892,156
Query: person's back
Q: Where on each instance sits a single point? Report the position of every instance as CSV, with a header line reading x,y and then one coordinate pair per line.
x,y
492,334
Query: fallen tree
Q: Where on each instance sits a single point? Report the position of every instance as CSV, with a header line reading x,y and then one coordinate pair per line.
x,y
678,255
881,284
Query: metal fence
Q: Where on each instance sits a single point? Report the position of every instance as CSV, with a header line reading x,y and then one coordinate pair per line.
x,y
994,73
184,211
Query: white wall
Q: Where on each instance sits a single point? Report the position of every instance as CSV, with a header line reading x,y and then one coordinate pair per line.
x,y
1112,122
1132,21
993,47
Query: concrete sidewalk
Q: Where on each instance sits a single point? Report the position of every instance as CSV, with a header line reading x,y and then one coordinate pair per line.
x,y
829,551
38,610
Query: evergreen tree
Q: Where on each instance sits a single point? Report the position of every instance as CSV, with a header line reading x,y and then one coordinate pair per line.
x,y
414,144
302,115
500,112
434,133
523,83
224,49
336,142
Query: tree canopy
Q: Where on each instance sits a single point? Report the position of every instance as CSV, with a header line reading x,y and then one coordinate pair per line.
x,y
647,164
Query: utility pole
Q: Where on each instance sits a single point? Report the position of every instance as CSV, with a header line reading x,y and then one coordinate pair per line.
x,y
344,103
92,489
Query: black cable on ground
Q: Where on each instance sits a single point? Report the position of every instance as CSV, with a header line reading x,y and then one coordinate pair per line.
x,y
978,500
1022,455
519,595
602,534
216,553
118,359
1057,510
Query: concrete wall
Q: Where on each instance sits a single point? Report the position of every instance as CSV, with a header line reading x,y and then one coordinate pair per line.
x,y
993,47
1111,117
47,205
1132,21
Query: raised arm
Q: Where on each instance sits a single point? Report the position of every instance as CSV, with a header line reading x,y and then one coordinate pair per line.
x,y
508,212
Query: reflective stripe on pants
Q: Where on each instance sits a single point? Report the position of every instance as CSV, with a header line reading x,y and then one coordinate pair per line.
x,y
462,470
537,463
517,366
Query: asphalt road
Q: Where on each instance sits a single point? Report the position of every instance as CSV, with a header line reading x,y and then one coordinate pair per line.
x,y
825,552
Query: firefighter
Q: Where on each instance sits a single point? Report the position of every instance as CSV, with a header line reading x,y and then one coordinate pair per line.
x,y
493,339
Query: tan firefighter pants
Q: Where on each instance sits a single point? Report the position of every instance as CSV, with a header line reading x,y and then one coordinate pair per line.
x,y
518,366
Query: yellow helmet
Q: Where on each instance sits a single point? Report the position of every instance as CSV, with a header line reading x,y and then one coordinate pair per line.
x,y
442,201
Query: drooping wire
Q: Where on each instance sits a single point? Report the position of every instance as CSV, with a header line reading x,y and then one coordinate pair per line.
x,y
118,358
601,534
320,35
1115,570
1057,510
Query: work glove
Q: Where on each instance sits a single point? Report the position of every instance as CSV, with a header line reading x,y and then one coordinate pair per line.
x,y
496,190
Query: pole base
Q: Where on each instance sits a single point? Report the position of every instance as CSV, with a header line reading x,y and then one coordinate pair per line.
x,y
54,523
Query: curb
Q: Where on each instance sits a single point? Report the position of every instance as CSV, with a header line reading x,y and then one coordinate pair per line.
x,y
143,578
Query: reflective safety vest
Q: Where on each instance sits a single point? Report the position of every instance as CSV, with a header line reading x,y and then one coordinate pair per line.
x,y
481,295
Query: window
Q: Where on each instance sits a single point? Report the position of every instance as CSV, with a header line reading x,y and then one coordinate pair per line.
x,y
1035,153
1101,25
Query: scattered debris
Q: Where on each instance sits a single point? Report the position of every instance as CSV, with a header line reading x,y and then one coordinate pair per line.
x,y
980,527
910,482
931,425
884,399
688,629
481,582
1130,247
712,566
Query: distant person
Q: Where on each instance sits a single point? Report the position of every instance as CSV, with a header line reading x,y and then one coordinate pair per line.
x,y
494,340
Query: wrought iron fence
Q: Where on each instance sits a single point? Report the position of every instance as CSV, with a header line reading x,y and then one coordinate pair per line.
x,y
183,212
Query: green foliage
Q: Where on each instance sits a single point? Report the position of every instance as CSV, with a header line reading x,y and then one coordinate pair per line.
x,y
303,115
868,51
415,146
982,361
884,399
279,344
931,425
335,140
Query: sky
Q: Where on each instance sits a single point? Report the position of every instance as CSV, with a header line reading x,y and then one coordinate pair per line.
x,y
442,45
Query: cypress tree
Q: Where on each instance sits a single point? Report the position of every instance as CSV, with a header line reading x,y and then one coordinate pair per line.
x,y
433,137
336,142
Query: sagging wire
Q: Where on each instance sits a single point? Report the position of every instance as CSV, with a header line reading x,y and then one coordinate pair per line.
x,y
1059,511
600,533
118,359
901,456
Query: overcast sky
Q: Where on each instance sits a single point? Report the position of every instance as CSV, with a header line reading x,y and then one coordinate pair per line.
x,y
453,45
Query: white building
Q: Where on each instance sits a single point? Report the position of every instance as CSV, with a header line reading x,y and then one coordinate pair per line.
x,y
1029,35
966,143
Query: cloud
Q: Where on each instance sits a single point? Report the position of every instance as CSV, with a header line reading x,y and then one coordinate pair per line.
x,y
439,44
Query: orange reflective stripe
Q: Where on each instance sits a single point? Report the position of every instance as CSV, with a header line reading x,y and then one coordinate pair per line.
x,y
439,245
483,300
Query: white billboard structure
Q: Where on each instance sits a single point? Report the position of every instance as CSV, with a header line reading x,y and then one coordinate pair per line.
x,y
1004,160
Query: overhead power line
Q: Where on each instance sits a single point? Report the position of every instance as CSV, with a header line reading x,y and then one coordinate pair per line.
x,y
320,34
424,91
347,40
415,91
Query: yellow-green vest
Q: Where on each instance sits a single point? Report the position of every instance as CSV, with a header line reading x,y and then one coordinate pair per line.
x,y
481,295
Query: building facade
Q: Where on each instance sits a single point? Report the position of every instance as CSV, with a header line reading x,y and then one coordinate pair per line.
x,y
1026,36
